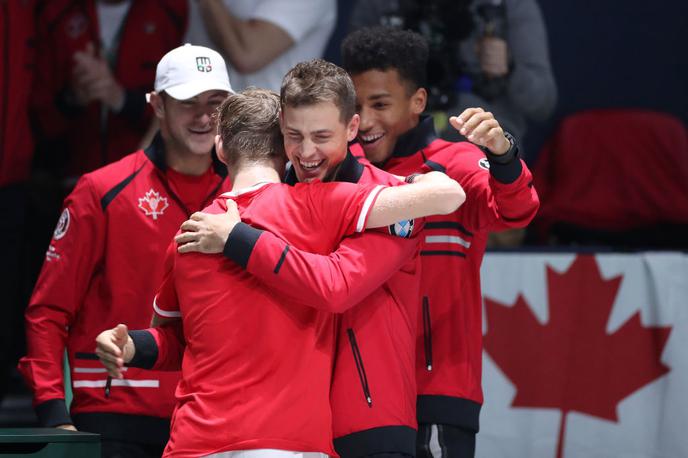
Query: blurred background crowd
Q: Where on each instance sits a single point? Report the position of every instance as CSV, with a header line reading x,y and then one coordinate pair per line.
x,y
595,92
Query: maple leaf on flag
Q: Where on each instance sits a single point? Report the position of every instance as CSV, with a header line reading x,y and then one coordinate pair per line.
x,y
571,363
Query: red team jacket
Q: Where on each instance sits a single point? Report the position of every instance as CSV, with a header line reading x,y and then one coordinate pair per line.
x,y
373,390
102,268
498,196
257,366
94,138
17,42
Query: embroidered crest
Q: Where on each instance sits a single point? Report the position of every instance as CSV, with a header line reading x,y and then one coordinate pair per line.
x,y
484,163
402,228
152,204
62,225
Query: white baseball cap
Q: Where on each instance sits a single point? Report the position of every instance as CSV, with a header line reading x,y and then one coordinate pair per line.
x,y
188,70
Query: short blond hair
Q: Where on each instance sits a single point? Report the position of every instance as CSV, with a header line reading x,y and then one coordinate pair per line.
x,y
248,124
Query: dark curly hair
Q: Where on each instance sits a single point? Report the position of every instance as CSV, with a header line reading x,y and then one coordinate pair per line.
x,y
385,48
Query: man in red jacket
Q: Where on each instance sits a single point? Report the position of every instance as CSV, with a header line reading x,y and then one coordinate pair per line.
x,y
104,262
388,69
96,60
373,390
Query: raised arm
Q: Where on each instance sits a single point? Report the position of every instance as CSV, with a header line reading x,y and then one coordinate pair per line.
x,y
433,193
334,282
502,195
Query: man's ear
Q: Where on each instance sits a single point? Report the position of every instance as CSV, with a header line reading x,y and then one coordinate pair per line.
x,y
219,150
419,99
352,128
156,101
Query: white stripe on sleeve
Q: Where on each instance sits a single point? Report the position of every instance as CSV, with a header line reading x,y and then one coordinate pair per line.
x,y
367,206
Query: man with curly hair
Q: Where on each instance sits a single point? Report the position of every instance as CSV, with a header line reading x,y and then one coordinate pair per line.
x,y
388,67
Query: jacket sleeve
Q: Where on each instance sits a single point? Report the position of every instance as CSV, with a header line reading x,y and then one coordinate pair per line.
x,y
498,199
334,282
161,348
74,253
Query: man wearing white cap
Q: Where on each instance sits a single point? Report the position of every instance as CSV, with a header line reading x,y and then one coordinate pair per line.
x,y
104,262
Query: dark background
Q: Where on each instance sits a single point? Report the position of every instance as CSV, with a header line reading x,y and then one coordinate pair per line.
x,y
605,54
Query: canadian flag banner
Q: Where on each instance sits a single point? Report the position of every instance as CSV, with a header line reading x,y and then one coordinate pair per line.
x,y
585,355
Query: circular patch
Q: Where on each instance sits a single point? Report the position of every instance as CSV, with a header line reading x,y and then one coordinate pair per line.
x,y
62,225
484,163
403,228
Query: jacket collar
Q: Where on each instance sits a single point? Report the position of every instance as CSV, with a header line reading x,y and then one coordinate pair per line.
x,y
350,170
416,139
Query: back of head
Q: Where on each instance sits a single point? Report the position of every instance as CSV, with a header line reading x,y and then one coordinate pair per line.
x,y
387,48
317,81
248,124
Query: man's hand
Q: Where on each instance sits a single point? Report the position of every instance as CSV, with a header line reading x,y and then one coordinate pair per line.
x,y
92,80
480,127
494,61
115,348
206,233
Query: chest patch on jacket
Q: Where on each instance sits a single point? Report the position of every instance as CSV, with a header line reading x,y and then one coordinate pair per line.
x,y
153,204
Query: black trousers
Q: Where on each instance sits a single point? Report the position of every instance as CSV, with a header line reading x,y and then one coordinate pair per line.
x,y
444,441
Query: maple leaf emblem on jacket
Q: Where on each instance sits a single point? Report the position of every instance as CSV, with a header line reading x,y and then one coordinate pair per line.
x,y
153,204
571,362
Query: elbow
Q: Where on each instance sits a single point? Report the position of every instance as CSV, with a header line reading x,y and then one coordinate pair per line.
x,y
247,62
338,303
455,197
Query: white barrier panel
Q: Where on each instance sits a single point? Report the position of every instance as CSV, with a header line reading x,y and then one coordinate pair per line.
x,y
585,355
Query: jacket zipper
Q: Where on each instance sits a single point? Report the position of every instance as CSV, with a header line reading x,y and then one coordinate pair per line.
x,y
359,367
427,333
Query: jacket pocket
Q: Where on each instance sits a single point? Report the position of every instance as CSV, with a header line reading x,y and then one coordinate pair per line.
x,y
359,366
427,333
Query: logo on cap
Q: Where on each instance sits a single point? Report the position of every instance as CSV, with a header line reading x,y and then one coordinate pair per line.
x,y
203,64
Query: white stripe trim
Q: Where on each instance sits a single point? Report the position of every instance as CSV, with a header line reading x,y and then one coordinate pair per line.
x,y
164,313
116,382
367,205
92,370
434,444
447,239
241,191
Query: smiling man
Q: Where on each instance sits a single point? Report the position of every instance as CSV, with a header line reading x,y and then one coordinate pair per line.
x,y
105,262
388,67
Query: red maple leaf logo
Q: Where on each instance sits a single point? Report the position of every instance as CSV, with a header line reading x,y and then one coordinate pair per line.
x,y
571,363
